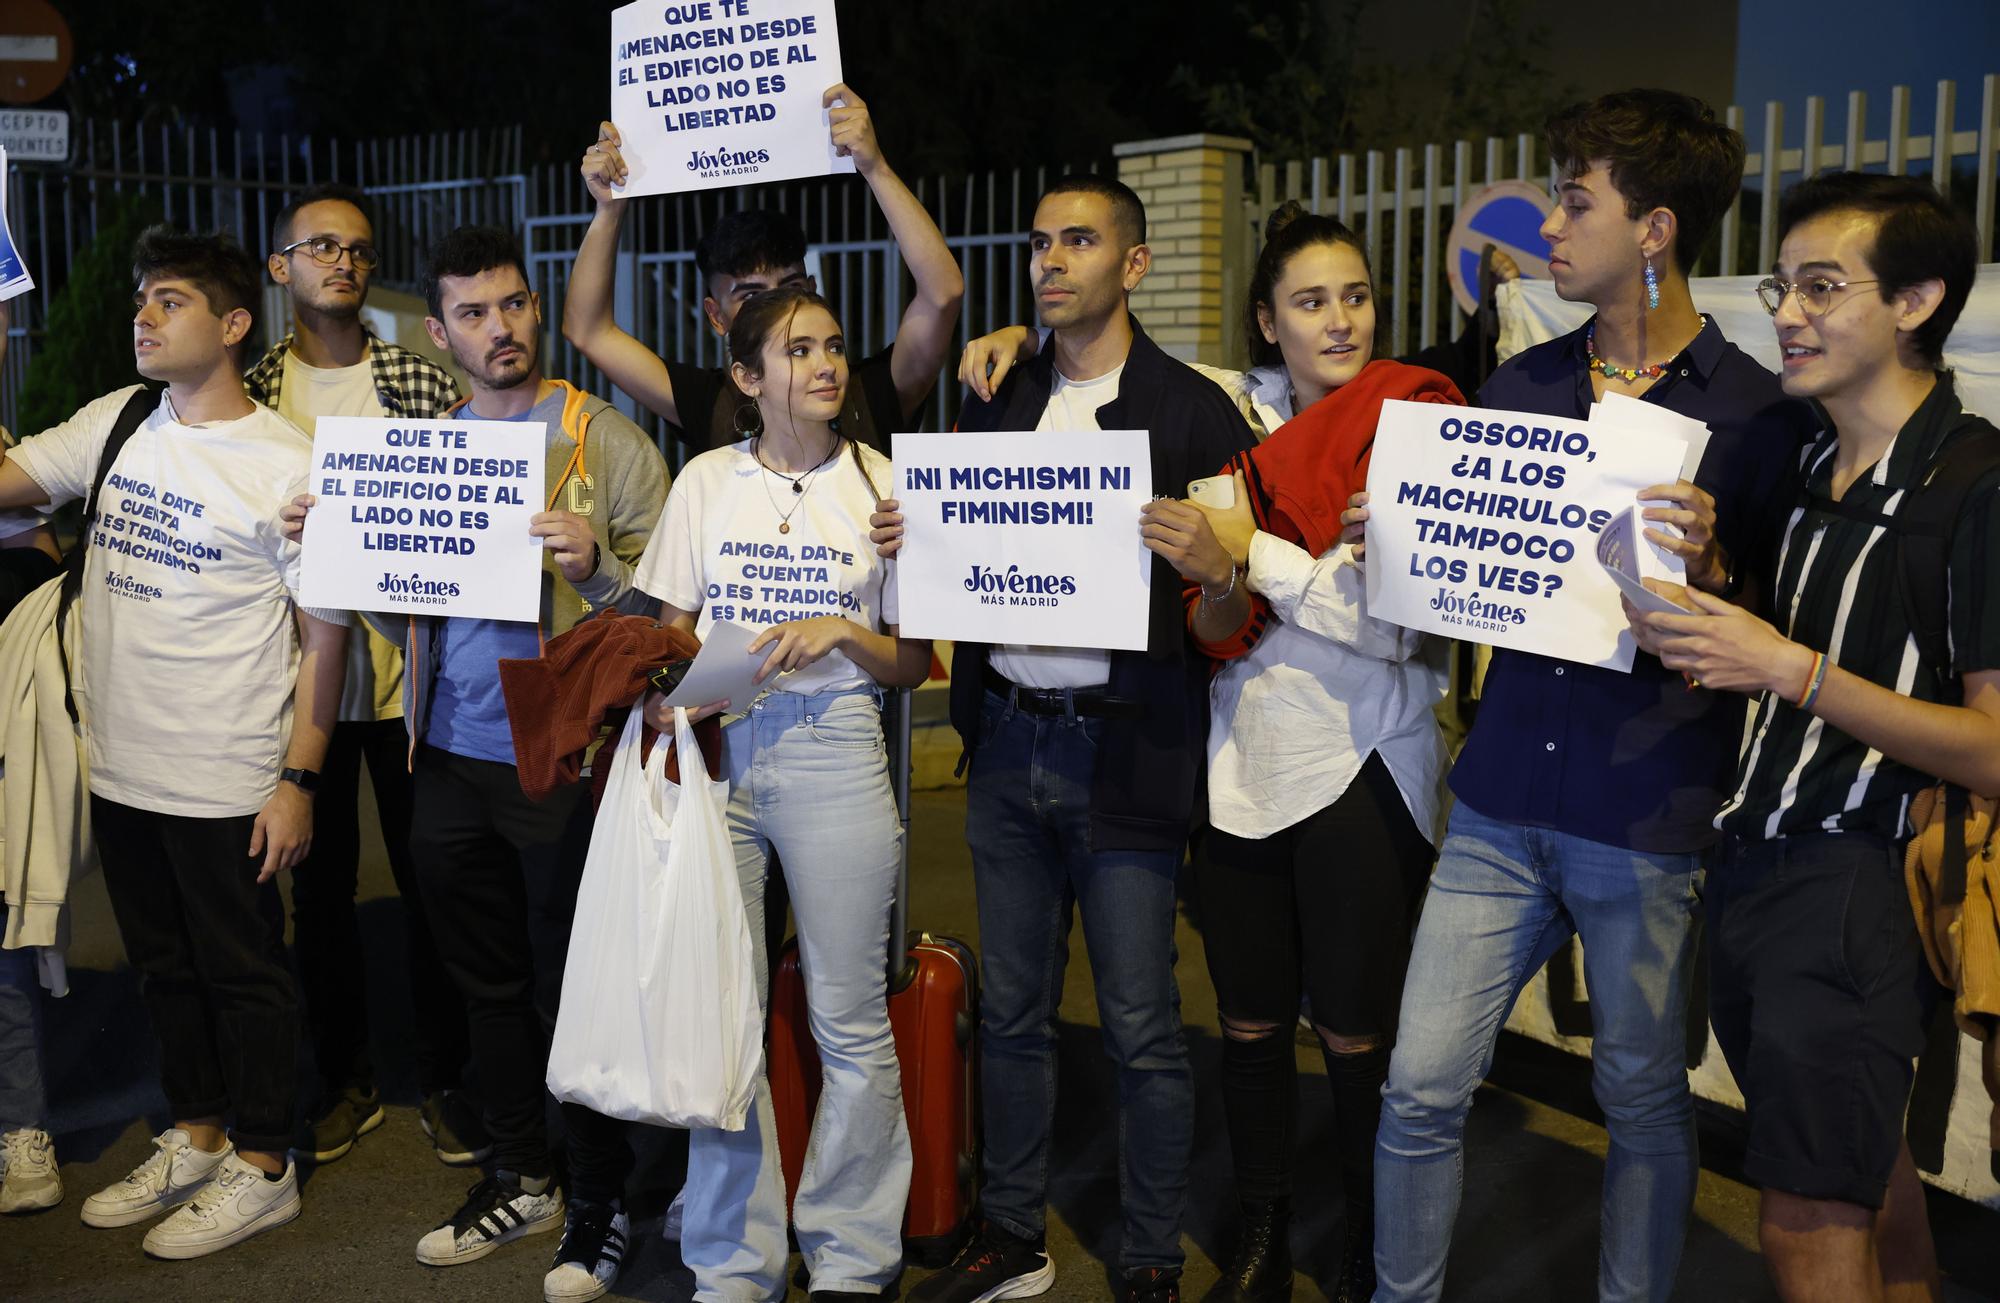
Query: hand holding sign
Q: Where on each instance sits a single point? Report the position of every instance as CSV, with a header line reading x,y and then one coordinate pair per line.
x,y
850,128
603,167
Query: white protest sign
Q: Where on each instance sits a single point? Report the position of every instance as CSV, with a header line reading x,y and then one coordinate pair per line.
x,y
429,517
1482,525
710,93
1025,538
14,277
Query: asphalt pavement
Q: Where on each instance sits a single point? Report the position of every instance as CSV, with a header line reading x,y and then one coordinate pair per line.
x,y
1527,1229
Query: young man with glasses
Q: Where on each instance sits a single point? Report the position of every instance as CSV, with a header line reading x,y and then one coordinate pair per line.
x,y
1819,987
331,364
1584,795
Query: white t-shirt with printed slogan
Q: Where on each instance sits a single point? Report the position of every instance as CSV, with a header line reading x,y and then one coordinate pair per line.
x,y
718,550
189,653
373,683
1072,405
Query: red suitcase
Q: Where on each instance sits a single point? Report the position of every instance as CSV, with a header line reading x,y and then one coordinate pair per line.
x,y
934,1011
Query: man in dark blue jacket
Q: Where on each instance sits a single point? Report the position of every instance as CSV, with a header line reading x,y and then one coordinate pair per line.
x,y
1085,766
1584,796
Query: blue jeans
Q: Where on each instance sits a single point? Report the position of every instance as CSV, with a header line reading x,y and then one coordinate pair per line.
x,y
1504,897
23,1102
1027,818
809,777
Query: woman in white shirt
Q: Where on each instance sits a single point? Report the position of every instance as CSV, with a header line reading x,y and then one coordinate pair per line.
x,y
1326,767
773,532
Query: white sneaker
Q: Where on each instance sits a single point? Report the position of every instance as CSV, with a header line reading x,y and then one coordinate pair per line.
x,y
670,1225
171,1176
31,1181
239,1203
495,1211
593,1246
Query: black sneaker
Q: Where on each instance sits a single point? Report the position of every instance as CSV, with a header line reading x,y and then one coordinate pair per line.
x,y
993,1265
351,1115
455,1128
593,1245
498,1209
1153,1285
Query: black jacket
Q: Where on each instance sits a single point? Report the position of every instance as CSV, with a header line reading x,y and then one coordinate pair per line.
x,y
1146,790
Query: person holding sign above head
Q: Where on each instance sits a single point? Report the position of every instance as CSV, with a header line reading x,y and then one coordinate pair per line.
x,y
1084,765
1880,678
745,253
331,364
206,696
1583,794
772,532
1326,765
499,873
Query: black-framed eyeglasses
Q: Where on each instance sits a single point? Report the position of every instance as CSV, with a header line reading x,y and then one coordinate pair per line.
x,y
1814,293
326,250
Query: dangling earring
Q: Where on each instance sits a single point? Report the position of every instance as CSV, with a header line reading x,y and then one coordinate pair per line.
x,y
749,420
1652,287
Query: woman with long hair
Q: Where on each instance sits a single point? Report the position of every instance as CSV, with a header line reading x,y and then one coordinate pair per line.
x,y
772,532
1326,767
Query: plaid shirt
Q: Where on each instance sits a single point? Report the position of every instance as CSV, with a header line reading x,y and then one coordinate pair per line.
x,y
409,385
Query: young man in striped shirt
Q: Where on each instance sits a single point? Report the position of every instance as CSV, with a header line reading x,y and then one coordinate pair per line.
x,y
1819,987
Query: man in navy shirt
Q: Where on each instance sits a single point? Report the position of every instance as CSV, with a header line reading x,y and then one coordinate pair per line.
x,y
1585,795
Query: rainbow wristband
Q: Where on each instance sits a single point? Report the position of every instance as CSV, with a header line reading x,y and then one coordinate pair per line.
x,y
1814,682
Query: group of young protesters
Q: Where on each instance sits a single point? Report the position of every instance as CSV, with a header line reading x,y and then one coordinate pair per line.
x,y
1758,764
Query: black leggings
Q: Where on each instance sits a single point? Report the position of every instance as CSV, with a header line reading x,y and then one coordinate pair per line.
x,y
1327,907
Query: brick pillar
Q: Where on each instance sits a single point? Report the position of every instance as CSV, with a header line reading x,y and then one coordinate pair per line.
x,y
1193,189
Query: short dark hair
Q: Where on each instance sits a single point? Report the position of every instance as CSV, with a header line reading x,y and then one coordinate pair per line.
x,y
1127,209
325,192
1919,237
1289,230
215,264
748,240
1664,150
468,251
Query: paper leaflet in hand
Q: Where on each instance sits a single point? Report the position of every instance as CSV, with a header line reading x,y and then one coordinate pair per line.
x,y
1620,545
724,670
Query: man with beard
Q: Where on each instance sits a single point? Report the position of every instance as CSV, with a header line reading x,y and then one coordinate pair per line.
x,y
331,364
499,872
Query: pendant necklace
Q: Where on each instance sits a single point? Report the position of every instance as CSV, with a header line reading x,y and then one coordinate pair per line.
x,y
800,483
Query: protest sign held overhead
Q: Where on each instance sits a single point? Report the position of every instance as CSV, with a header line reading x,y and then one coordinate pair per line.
x,y
711,93
1483,525
1025,538
429,517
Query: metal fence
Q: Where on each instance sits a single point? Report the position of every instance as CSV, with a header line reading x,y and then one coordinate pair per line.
x,y
1402,201
237,181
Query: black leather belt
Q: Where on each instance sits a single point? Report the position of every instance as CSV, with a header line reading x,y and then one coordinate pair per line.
x,y
1092,702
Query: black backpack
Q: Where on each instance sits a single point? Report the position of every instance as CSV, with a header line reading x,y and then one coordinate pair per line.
x,y
130,417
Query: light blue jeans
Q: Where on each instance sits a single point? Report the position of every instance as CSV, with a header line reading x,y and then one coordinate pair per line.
x,y
23,1102
809,778
1504,897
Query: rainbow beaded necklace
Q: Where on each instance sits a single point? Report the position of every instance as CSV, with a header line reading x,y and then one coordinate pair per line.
x,y
1629,375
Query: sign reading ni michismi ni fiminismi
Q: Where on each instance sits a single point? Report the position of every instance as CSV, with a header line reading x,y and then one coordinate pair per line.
x,y
428,517
1029,538
711,93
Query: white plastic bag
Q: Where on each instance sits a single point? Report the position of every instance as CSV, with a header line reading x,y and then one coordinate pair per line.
x,y
659,1019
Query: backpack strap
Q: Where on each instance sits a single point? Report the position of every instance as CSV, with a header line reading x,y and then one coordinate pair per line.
x,y
130,417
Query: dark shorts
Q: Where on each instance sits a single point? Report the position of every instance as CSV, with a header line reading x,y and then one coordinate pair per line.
x,y
1819,997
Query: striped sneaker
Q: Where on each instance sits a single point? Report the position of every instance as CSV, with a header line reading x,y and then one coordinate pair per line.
x,y
593,1245
498,1209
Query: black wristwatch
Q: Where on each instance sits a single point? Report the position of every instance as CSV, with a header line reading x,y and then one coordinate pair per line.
x,y
306,780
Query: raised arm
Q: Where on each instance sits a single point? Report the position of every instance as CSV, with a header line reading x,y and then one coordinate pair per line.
x,y
924,335
587,320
